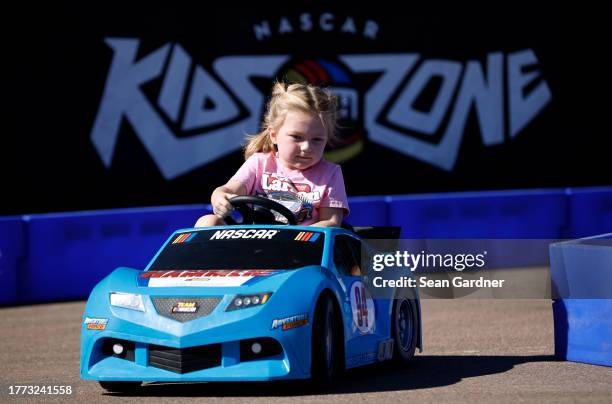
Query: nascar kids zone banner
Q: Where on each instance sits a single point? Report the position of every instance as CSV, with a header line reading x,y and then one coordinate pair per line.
x,y
165,97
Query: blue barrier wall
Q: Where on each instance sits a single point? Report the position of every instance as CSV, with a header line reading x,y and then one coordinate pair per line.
x,y
583,330
69,253
590,211
368,211
581,276
501,214
61,256
12,251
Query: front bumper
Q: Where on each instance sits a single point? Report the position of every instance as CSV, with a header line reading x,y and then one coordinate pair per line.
x,y
228,368
220,331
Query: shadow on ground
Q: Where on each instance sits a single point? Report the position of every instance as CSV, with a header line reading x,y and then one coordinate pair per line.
x,y
423,372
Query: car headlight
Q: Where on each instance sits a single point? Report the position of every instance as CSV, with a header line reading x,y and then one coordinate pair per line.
x,y
127,301
244,301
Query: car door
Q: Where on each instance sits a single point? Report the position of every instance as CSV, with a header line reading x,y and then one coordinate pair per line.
x,y
363,325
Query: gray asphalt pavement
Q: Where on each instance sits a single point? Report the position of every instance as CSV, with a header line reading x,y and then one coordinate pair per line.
x,y
479,350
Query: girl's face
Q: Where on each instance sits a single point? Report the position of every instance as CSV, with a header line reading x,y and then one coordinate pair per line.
x,y
300,140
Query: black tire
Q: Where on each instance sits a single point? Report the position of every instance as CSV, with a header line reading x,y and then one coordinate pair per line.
x,y
120,387
327,359
404,328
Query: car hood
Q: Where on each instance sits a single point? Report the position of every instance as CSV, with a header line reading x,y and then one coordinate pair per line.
x,y
214,282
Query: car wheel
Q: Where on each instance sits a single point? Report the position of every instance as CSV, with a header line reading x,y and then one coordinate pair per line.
x,y
326,358
120,387
404,329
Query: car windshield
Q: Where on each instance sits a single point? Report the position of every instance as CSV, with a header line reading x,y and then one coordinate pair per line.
x,y
245,248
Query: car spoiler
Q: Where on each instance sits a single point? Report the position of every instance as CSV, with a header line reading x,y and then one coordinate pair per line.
x,y
378,232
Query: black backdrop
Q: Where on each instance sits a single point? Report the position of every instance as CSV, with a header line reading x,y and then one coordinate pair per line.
x,y
59,65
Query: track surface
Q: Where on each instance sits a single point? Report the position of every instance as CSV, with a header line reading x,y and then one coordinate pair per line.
x,y
475,351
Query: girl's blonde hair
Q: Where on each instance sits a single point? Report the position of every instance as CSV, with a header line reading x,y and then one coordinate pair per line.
x,y
293,97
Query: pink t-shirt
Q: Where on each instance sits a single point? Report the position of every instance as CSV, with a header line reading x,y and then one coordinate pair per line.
x,y
303,192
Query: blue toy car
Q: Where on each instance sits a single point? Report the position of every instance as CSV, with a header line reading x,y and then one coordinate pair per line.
x,y
246,302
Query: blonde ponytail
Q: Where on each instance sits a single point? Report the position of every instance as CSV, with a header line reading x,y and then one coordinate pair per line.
x,y
260,143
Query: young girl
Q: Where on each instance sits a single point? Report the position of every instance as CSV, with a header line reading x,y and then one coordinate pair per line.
x,y
285,161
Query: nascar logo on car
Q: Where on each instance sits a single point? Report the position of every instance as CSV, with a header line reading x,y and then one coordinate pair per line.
x,y
242,233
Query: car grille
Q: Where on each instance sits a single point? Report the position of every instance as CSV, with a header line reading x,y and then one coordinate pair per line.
x,y
186,359
204,306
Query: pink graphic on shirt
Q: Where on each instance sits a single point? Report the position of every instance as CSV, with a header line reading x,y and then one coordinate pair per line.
x,y
275,182
321,185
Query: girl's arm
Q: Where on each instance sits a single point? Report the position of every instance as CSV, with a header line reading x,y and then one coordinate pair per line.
x,y
330,217
221,196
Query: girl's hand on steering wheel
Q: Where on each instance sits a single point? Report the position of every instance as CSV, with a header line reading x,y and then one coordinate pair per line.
x,y
221,205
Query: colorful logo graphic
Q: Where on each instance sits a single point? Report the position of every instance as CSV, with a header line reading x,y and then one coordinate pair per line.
x,y
338,78
92,323
307,236
288,323
184,238
185,307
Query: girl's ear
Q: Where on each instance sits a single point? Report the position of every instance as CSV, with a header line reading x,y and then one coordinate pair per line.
x,y
272,135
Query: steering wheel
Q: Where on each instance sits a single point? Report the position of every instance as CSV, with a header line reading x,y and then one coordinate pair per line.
x,y
258,210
